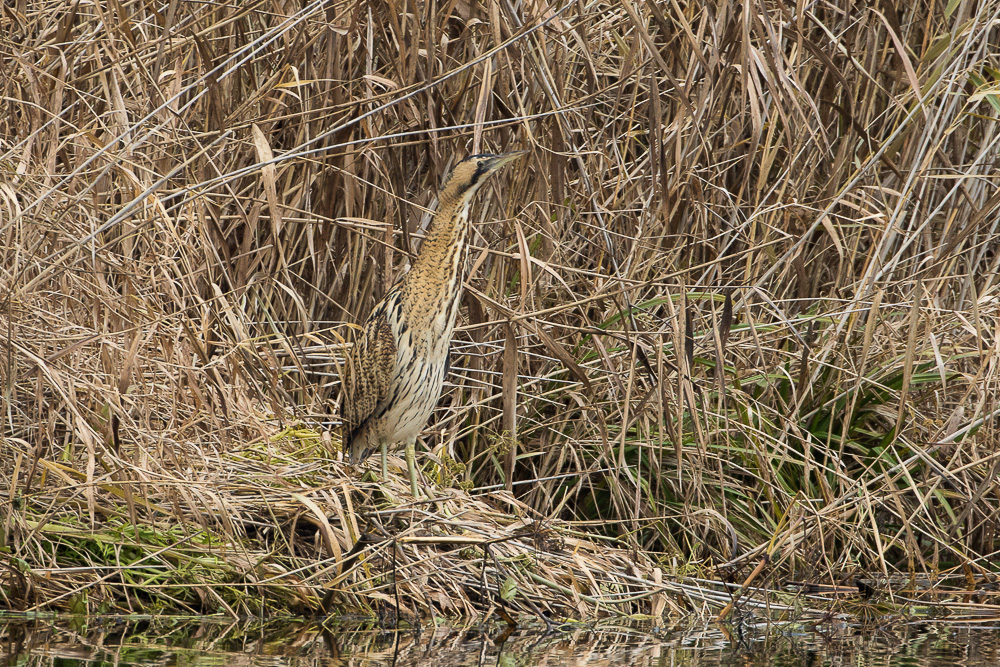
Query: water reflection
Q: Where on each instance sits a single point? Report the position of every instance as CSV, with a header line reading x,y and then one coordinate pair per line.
x,y
196,642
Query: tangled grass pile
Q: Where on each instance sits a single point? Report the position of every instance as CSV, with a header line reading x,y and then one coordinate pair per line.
x,y
737,309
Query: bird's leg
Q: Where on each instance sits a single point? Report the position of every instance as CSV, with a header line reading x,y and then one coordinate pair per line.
x,y
385,464
411,465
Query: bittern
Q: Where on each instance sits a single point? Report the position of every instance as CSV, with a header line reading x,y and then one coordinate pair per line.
x,y
395,371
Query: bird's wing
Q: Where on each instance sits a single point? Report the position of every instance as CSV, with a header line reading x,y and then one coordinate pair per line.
x,y
368,374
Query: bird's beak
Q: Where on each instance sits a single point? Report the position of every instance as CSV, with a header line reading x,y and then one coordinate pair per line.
x,y
501,160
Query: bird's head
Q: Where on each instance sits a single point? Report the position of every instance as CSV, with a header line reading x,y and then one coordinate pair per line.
x,y
472,172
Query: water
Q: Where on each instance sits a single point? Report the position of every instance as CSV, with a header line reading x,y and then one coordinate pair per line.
x,y
195,642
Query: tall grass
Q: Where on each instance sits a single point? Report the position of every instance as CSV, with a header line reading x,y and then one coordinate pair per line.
x,y
741,297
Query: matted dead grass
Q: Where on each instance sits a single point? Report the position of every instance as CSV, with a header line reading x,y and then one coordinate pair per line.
x,y
736,315
278,526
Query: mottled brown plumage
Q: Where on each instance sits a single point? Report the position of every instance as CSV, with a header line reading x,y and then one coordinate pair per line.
x,y
395,371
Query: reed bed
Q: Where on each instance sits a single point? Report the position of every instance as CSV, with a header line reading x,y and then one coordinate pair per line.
x,y
734,321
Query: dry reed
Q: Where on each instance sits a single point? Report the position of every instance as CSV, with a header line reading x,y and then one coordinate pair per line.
x,y
740,302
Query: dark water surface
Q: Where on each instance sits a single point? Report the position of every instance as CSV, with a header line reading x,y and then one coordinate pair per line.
x,y
196,642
